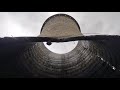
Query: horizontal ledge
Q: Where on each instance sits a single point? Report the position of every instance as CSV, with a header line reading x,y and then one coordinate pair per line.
x,y
60,39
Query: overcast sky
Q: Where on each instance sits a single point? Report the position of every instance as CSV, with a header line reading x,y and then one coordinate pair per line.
x,y
30,23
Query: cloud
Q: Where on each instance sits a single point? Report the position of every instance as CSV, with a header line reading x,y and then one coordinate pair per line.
x,y
30,23
100,22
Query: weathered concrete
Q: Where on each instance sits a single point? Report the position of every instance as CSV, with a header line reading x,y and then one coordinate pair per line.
x,y
32,59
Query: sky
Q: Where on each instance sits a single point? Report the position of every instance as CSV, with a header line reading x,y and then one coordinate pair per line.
x,y
26,24
30,23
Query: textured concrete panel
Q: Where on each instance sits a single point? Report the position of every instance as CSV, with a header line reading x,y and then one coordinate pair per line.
x,y
60,25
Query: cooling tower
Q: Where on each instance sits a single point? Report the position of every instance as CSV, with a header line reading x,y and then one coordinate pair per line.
x,y
89,59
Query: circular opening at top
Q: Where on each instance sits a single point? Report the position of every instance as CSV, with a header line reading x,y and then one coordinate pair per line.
x,y
61,48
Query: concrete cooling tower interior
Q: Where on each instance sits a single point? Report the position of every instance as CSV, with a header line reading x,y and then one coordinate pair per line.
x,y
89,59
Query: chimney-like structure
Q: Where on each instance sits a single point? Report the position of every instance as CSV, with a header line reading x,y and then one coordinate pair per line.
x,y
60,25
90,58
